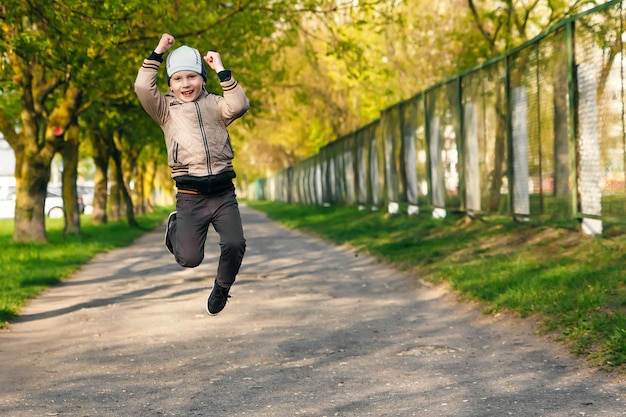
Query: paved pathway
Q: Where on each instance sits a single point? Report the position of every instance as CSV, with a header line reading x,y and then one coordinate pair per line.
x,y
311,330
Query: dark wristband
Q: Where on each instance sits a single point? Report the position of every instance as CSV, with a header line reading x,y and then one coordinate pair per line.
x,y
156,57
224,75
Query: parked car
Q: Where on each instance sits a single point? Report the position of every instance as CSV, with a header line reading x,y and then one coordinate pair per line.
x,y
7,207
54,191
53,207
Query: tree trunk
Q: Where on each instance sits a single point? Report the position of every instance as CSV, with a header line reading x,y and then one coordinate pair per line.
x,y
99,213
114,196
69,152
561,134
130,173
139,190
32,173
493,203
123,191
34,148
101,157
149,183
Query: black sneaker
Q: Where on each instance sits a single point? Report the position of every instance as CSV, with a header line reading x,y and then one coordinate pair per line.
x,y
217,299
170,222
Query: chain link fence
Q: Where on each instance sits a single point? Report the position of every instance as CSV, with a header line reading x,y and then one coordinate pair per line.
x,y
536,133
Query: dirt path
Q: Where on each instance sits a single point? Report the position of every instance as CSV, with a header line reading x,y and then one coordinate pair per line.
x,y
311,330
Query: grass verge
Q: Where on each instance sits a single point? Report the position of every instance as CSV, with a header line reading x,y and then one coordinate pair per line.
x,y
573,284
26,269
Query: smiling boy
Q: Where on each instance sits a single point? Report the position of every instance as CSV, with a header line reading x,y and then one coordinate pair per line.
x,y
200,154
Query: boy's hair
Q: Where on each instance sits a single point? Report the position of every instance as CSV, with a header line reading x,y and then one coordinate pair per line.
x,y
184,58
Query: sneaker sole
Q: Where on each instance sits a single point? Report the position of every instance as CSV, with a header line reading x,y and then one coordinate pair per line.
x,y
167,228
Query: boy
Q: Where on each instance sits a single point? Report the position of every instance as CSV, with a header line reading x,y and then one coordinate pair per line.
x,y
200,155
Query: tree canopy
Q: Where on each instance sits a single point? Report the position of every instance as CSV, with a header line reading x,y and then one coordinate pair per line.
x,y
313,70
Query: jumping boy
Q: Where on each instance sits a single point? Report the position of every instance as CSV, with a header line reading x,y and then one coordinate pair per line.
x,y
200,156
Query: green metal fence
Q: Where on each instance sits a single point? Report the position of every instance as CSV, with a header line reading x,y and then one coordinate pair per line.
x,y
538,132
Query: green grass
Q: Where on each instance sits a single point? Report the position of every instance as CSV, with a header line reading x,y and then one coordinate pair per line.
x,y
574,285
26,269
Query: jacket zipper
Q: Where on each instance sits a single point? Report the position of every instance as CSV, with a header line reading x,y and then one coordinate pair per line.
x,y
204,139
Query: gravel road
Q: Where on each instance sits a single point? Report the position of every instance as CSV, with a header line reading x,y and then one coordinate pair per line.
x,y
311,330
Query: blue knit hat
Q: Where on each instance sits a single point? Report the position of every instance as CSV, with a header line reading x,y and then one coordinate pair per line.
x,y
184,58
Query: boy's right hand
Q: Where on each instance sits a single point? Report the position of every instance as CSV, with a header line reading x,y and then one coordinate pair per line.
x,y
165,43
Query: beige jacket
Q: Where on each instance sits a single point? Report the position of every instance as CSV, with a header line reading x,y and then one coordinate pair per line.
x,y
198,143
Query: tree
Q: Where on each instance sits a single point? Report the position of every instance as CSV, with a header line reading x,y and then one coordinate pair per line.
x,y
44,44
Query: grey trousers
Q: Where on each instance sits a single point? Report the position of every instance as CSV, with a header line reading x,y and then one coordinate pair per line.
x,y
188,233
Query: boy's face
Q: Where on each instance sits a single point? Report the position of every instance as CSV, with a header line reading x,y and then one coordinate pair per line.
x,y
186,85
